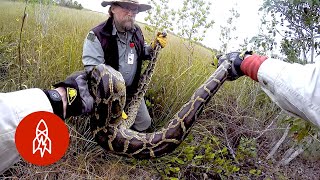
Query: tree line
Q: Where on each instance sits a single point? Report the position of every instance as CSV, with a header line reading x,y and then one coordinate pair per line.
x,y
64,3
288,27
69,4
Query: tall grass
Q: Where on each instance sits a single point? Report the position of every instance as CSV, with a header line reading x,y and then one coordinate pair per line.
x,y
51,56
48,56
52,49
174,81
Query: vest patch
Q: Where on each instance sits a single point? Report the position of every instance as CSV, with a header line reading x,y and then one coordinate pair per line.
x,y
91,37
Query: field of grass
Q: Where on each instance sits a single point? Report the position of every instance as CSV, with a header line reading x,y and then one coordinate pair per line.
x,y
235,120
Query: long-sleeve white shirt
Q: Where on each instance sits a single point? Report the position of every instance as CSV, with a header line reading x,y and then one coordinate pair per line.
x,y
294,87
14,106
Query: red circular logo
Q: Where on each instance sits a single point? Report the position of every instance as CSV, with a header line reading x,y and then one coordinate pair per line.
x,y
42,138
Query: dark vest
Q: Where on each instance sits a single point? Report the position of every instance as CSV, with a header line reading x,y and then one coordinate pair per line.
x,y
110,49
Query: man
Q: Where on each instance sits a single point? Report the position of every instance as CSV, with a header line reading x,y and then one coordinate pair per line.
x,y
119,42
294,87
71,97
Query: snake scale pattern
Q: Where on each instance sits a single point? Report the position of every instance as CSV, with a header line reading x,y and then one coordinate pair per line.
x,y
113,133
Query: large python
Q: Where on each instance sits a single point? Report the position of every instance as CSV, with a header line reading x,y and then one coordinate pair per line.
x,y
112,132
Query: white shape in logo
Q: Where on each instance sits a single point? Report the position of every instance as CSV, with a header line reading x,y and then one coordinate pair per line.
x,y
42,141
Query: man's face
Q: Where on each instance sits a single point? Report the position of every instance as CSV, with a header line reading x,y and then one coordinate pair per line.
x,y
124,15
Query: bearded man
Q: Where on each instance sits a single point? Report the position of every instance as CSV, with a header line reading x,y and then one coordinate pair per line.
x,y
119,43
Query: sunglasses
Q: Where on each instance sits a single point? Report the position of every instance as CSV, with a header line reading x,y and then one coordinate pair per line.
x,y
128,7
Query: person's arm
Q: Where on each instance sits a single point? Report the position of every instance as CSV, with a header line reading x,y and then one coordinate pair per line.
x,y
70,98
92,54
294,87
14,106
75,99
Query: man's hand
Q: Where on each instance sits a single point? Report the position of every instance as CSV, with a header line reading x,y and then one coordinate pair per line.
x,y
75,96
161,39
245,63
235,58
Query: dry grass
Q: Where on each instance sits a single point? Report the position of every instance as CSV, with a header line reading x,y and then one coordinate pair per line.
x,y
83,160
52,50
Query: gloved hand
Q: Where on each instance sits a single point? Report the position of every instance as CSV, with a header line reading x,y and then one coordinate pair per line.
x,y
79,99
161,39
83,88
235,59
243,64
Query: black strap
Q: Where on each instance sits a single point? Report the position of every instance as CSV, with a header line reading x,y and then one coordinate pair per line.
x,y
56,102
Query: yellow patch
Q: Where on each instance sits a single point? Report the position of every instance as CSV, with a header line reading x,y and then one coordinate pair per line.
x,y
124,115
71,95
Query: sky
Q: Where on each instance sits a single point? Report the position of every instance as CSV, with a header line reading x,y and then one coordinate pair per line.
x,y
248,10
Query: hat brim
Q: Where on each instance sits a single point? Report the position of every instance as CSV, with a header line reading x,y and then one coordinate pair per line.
x,y
141,7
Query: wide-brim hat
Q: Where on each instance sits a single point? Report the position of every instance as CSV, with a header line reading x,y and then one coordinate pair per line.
x,y
141,7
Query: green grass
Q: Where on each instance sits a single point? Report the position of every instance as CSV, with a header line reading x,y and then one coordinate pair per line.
x,y
237,114
50,50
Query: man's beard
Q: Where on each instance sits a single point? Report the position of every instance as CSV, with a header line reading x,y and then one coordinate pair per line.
x,y
127,24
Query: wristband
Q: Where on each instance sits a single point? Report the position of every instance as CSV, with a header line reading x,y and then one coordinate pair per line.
x,y
251,65
56,102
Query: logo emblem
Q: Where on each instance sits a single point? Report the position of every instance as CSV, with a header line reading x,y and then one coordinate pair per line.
x,y
72,94
42,138
42,142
